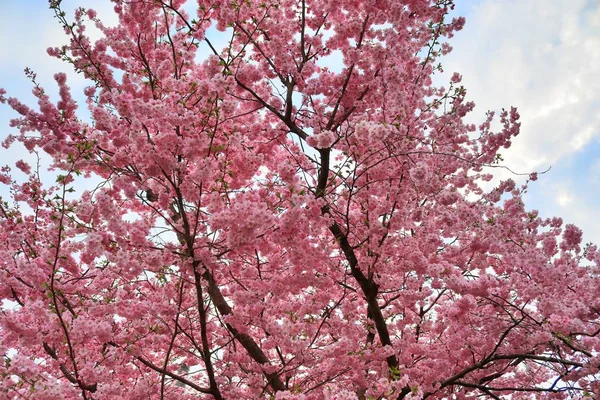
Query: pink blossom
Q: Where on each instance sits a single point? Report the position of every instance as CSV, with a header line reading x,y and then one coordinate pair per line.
x,y
448,197
89,91
571,237
23,166
419,172
322,140
260,226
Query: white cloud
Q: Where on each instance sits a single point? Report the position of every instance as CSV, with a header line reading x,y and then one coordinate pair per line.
x,y
564,198
20,49
560,198
543,57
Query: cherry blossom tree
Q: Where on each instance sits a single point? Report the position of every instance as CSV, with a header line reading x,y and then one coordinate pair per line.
x,y
269,227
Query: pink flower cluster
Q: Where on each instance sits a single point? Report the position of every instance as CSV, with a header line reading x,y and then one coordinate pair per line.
x,y
257,225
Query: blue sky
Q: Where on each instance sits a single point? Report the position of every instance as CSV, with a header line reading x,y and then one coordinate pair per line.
x,y
542,56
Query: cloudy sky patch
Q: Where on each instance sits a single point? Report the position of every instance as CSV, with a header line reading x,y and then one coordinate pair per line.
x,y
542,56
